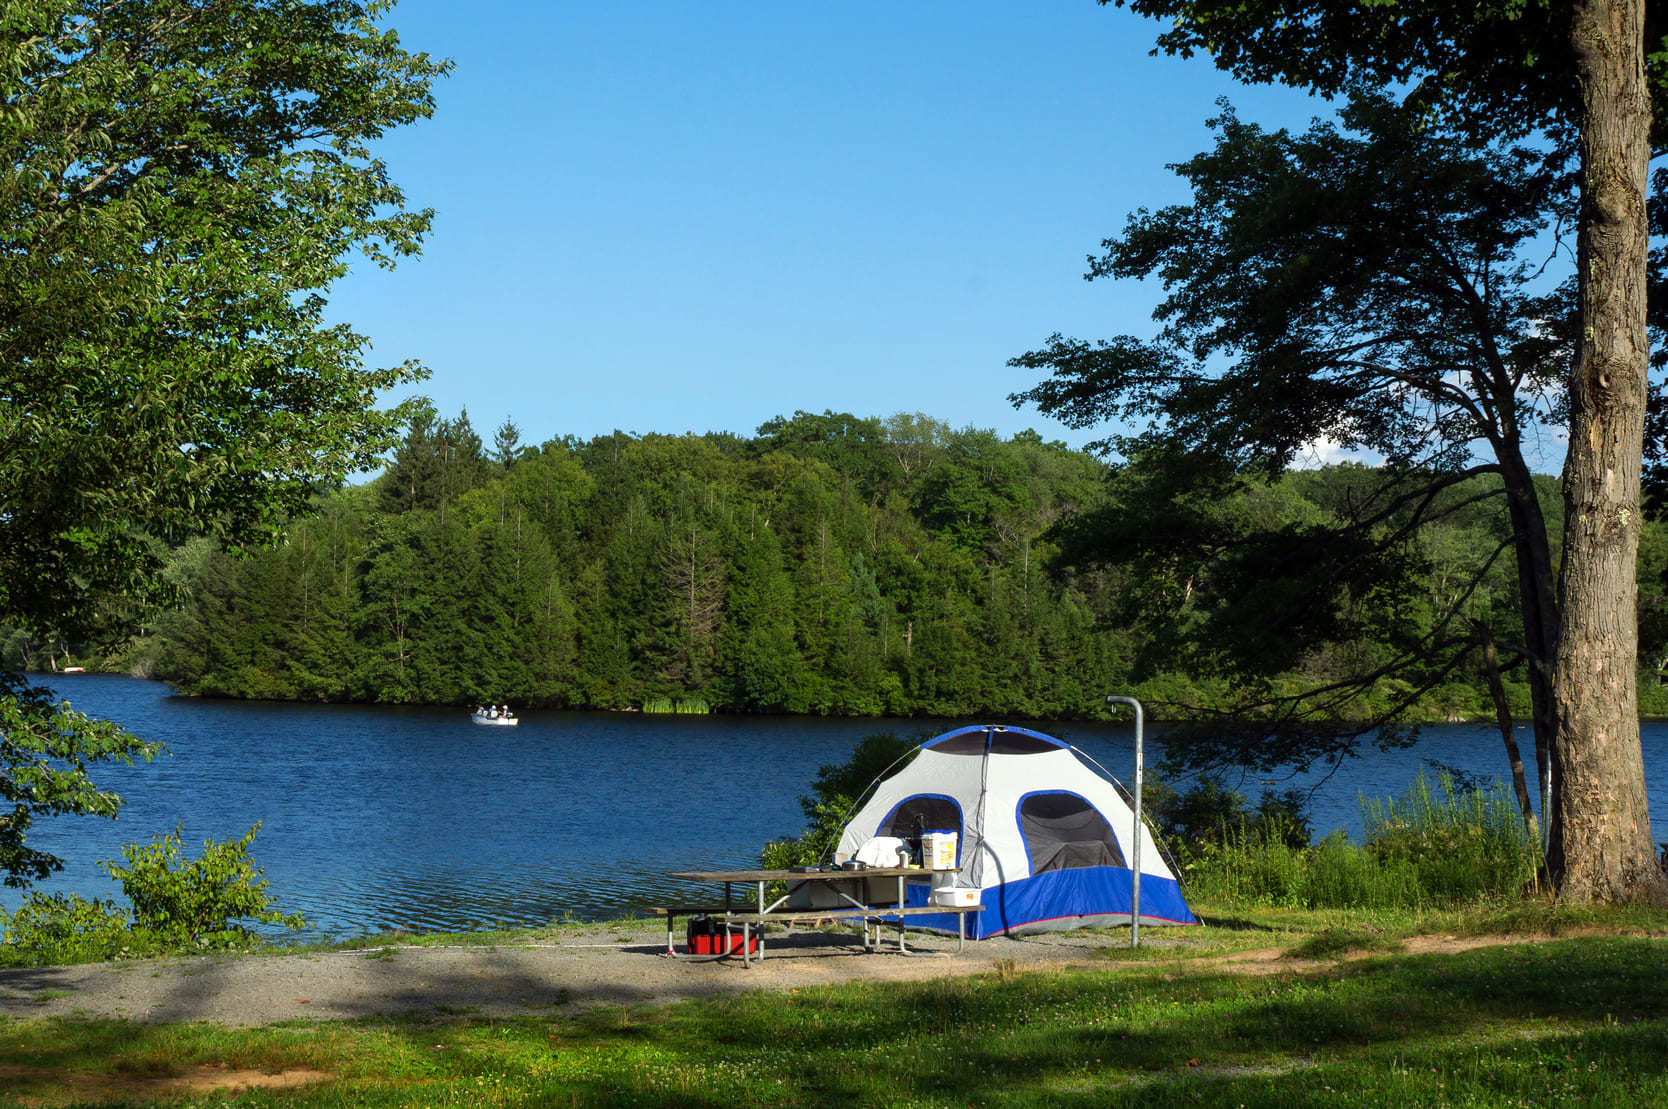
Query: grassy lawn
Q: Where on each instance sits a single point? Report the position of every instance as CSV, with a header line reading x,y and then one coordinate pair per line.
x,y
1580,1018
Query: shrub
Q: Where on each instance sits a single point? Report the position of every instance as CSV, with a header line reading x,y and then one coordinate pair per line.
x,y
1247,866
1342,875
55,929
1464,844
1429,846
199,903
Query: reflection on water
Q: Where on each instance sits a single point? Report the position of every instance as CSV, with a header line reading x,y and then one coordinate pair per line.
x,y
375,819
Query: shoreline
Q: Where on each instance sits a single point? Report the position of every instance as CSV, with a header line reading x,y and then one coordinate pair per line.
x,y
1480,720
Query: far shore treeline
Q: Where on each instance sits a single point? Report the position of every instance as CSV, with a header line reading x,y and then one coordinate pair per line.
x,y
829,564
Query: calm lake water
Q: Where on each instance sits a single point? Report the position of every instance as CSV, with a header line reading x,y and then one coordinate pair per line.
x,y
375,818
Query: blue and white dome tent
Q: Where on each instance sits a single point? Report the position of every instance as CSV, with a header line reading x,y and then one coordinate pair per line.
x,y
1042,838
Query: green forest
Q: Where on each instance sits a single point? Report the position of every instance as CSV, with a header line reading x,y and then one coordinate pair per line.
x,y
830,564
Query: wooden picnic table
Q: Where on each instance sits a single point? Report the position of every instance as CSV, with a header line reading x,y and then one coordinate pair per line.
x,y
848,898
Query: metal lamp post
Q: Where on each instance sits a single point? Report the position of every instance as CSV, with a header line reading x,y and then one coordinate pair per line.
x,y
1135,900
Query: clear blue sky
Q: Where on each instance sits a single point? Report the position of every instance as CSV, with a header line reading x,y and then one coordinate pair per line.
x,y
667,217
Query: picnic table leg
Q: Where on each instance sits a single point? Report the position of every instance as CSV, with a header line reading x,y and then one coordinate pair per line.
x,y
903,948
747,959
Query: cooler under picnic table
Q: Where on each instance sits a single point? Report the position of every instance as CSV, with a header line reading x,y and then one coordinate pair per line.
x,y
873,895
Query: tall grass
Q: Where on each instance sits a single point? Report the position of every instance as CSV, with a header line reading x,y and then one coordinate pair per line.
x,y
1434,845
682,706
1463,845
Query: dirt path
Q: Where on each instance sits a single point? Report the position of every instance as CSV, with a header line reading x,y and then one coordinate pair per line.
x,y
612,967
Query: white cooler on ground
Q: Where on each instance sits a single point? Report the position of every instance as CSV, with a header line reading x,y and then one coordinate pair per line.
x,y
953,896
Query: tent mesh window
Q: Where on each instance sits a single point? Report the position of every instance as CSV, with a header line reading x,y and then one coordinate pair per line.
x,y
922,814
1063,831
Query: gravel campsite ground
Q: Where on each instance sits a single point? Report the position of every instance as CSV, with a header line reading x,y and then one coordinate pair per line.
x,y
549,972
559,971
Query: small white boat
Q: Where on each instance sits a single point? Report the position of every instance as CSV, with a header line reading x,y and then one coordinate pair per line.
x,y
498,719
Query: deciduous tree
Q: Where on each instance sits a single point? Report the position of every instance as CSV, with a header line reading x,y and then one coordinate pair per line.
x,y
1503,67
183,183
1371,284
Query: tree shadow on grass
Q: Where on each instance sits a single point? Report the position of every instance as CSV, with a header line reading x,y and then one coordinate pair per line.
x,y
1237,924
1127,1036
1586,1018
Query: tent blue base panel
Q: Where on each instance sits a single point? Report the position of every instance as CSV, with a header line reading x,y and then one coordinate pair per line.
x,y
1059,899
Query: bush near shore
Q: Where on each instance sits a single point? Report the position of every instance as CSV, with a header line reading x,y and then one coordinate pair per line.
x,y
177,905
1437,844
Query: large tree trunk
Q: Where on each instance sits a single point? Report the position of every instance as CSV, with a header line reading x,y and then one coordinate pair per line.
x,y
1600,847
